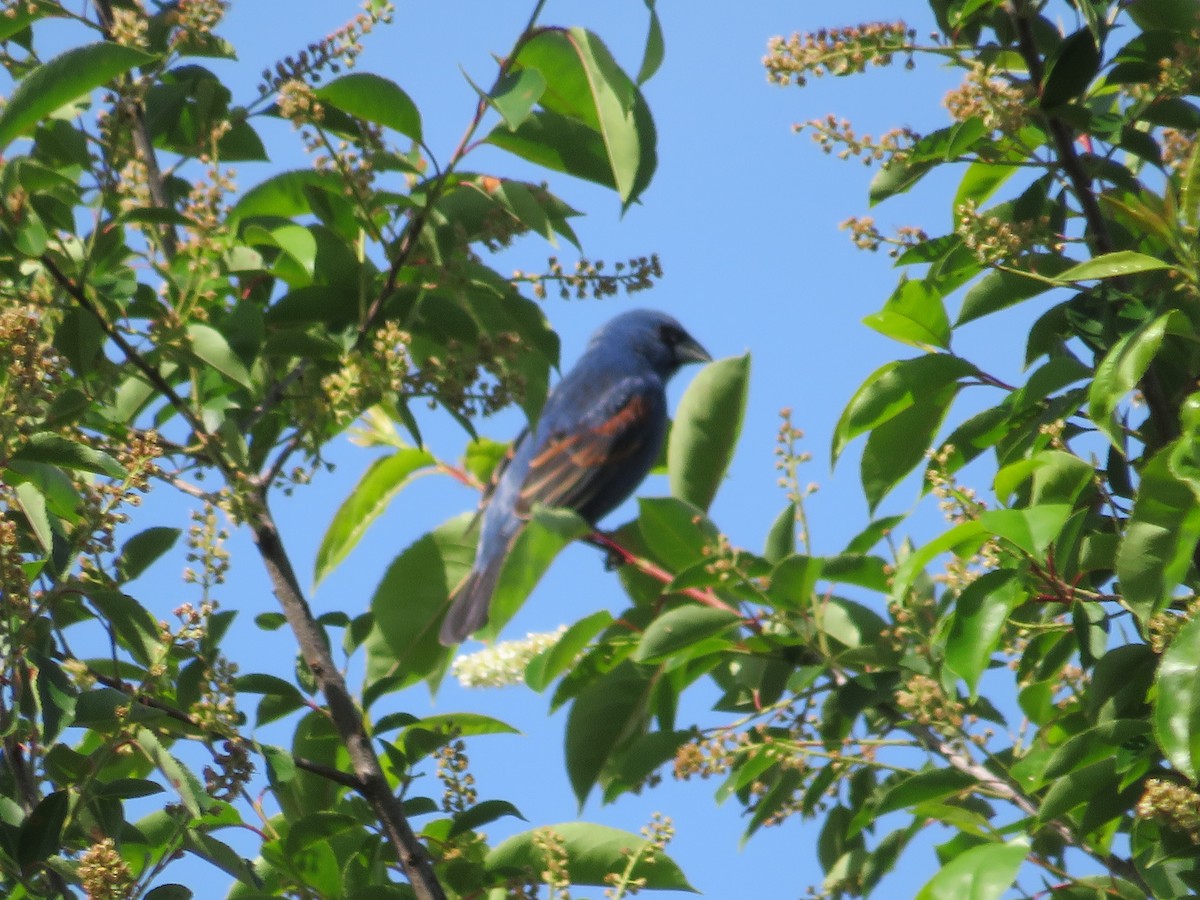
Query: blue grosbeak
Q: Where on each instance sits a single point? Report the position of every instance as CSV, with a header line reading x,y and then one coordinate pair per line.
x,y
598,435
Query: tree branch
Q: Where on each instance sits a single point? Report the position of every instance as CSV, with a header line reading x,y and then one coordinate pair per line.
x,y
1097,234
370,780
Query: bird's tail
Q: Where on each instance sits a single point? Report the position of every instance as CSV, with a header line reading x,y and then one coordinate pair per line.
x,y
469,609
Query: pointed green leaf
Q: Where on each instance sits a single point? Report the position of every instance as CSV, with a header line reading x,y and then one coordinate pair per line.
x,y
984,872
1177,701
914,315
611,709
63,79
140,551
211,348
516,94
1112,265
57,450
680,628
374,98
893,388
382,481
706,429
977,623
1119,373
412,598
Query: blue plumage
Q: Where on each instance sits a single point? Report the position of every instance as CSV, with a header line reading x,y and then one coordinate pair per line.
x,y
599,433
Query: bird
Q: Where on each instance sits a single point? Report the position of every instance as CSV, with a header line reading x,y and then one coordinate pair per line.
x,y
599,433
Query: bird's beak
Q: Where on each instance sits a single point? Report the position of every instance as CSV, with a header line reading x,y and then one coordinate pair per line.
x,y
689,350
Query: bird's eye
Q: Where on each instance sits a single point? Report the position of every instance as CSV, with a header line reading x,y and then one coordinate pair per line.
x,y
668,335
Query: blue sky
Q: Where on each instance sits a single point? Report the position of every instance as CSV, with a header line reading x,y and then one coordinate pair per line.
x,y
744,215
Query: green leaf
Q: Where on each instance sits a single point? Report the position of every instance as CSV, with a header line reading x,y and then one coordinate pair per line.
x,y
62,80
1119,372
284,195
54,449
140,551
1032,529
1000,289
41,833
706,429
548,532
191,793
922,787
781,539
914,315
1189,192
132,622
483,813
376,99
675,531
1092,745
553,661
1160,538
593,852
897,177
1177,701
977,623
793,581
611,709
559,143
412,598
1070,68
896,446
516,94
985,872
652,57
680,628
893,388
587,92
211,348
382,481
1111,265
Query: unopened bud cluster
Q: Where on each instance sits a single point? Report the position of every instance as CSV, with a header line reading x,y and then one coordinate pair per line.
x,y
458,783
233,768
924,701
866,236
206,540
832,133
339,50
836,51
1001,104
589,279
555,873
994,239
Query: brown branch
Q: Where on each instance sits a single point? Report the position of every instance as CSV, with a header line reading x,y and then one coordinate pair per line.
x,y
1097,234
628,557
370,781
155,183
344,712
1004,790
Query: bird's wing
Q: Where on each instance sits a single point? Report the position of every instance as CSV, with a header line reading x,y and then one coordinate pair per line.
x,y
576,465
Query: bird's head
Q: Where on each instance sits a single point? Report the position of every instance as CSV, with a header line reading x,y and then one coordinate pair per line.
x,y
654,337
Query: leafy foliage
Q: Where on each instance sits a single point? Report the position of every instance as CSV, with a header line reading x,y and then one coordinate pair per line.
x,y
1025,679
